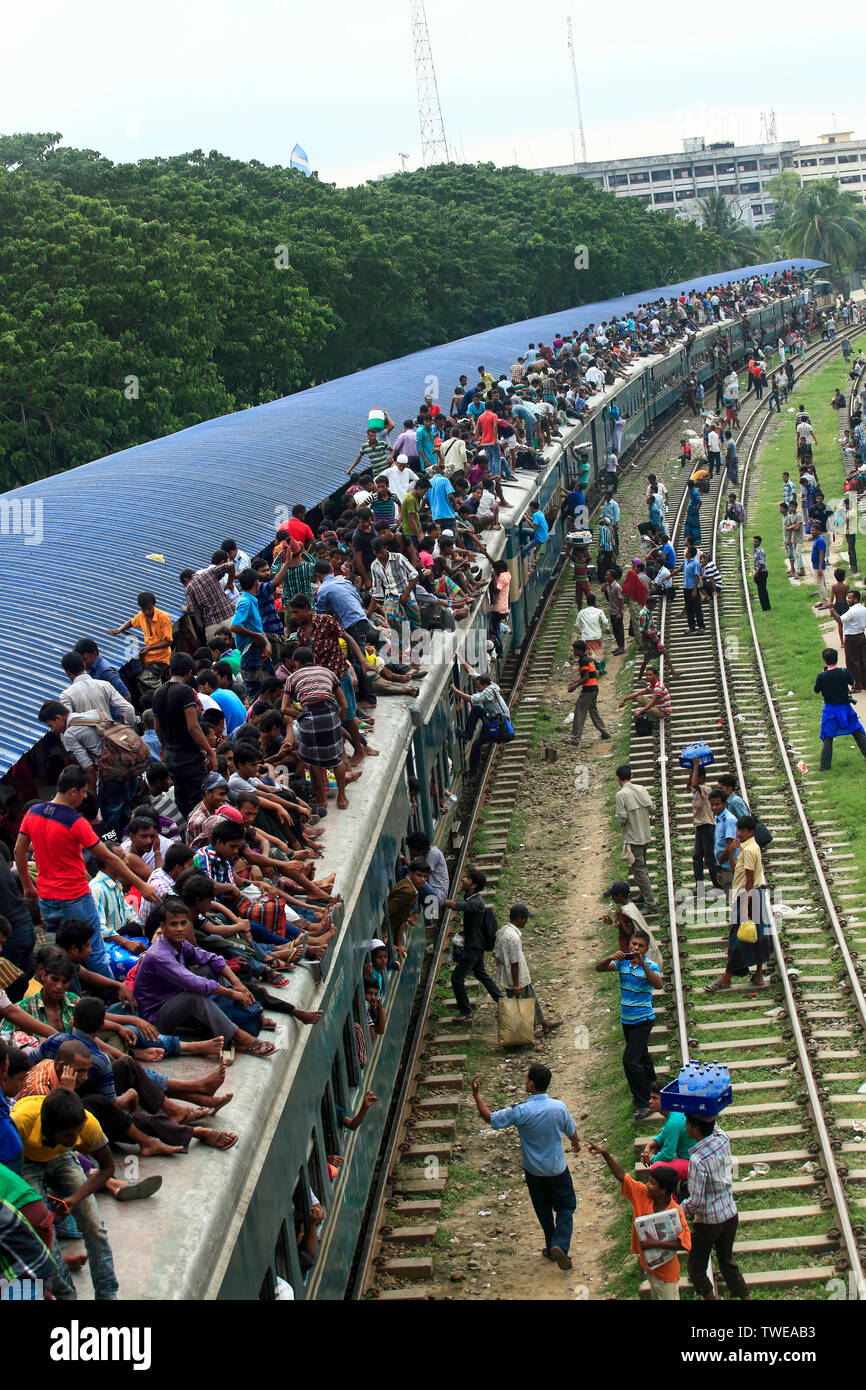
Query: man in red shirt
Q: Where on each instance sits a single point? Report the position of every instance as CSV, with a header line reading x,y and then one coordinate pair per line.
x,y
487,434
57,833
298,528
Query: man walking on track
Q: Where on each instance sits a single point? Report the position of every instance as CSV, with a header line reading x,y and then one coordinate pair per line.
x,y
711,1207
541,1122
633,807
587,700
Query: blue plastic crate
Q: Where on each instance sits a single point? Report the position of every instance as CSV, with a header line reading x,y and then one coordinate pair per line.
x,y
699,750
687,1103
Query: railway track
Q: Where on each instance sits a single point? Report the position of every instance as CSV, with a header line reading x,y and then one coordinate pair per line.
x,y
795,1049
407,1202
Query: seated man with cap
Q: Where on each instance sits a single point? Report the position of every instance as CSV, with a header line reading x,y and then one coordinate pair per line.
x,y
215,793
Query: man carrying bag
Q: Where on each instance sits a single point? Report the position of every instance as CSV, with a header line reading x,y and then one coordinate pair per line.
x,y
520,1010
479,934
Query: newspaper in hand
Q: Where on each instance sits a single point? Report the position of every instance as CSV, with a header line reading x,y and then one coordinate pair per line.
x,y
658,1225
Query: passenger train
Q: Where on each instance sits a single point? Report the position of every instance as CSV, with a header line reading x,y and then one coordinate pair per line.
x,y
227,1226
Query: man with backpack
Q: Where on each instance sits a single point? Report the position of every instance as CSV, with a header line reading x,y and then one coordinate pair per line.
x,y
479,935
111,754
489,708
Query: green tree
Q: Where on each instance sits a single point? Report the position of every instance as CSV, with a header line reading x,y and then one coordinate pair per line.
x,y
721,215
824,222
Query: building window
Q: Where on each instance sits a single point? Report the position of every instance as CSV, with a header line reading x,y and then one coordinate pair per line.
x,y
641,177
725,168
683,173
808,163
848,158
643,197
769,209
663,198
771,164
748,166
828,159
729,188
616,180
757,209
684,193
660,175
701,170
851,178
750,188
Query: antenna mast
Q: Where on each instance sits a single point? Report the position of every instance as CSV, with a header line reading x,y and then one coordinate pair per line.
x,y
576,91
434,149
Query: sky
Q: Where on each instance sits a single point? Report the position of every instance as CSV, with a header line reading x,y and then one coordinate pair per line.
x,y
252,79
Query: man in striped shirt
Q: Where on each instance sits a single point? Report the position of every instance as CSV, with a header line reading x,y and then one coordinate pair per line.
x,y
655,700
712,1208
711,579
373,454
206,601
638,977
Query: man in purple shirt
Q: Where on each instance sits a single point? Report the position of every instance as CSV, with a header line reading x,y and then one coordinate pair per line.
x,y
406,443
176,981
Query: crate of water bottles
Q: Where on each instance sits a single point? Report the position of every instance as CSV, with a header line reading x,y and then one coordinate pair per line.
x,y
700,750
700,1089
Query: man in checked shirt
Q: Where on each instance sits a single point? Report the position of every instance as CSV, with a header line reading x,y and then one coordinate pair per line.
x,y
711,1207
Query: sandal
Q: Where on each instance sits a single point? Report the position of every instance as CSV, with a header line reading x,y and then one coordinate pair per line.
x,y
228,1054
259,1049
711,989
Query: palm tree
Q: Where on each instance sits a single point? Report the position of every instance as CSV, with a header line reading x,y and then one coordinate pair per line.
x,y
722,215
826,223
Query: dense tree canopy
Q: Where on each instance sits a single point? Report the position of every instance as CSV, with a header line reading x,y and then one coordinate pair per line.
x,y
819,220
137,299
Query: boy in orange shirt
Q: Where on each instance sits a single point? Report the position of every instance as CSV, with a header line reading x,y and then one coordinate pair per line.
x,y
656,1194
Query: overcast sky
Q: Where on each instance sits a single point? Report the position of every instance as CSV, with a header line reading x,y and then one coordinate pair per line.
x,y
251,79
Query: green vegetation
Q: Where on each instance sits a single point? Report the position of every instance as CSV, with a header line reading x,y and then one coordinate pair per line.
x,y
790,638
220,284
819,220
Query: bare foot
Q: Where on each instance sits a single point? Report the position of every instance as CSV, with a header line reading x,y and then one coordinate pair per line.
x,y
216,1138
211,1083
352,776
154,1148
371,752
211,1103
210,1047
342,801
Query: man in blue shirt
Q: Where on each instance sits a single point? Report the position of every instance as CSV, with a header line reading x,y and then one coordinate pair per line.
x,y
250,636
692,589
424,443
440,491
338,596
724,835
97,667
541,1122
232,707
638,977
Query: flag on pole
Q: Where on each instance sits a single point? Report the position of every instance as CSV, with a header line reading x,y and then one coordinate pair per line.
x,y
298,160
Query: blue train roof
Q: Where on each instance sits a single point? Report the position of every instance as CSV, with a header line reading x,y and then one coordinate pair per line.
x,y
86,539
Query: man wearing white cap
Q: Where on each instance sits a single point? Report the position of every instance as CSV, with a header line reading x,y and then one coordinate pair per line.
x,y
400,477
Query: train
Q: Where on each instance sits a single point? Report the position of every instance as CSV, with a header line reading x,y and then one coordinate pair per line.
x,y
284,1219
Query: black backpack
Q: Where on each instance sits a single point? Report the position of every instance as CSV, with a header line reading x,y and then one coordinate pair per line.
x,y
643,725
489,928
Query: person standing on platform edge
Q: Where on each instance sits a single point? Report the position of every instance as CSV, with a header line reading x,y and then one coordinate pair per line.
x,y
711,1208
541,1122
633,807
760,572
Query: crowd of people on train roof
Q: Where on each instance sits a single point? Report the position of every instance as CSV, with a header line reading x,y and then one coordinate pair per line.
x,y
159,849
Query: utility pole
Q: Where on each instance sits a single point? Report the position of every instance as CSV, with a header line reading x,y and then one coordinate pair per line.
x,y
434,149
402,157
576,91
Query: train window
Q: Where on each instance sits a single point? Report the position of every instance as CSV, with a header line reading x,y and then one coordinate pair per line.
x,y
337,1083
282,1258
304,1230
318,1177
330,1131
267,1292
350,1053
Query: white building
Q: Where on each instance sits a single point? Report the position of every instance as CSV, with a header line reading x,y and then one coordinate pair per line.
x,y
676,182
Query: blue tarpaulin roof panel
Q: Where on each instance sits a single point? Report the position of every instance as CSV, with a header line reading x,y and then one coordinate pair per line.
x,y
76,545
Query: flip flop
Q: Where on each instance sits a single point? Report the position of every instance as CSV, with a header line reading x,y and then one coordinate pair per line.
x,y
136,1191
715,987
228,1054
